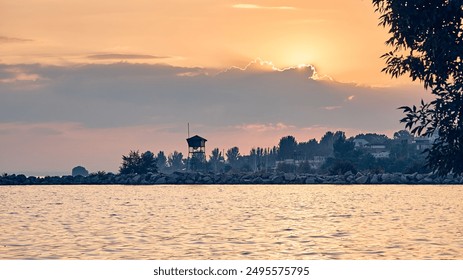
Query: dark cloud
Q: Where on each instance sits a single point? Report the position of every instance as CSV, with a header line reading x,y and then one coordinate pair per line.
x,y
6,40
123,56
125,94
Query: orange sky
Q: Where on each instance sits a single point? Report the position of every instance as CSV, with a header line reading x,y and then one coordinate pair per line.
x,y
66,100
341,38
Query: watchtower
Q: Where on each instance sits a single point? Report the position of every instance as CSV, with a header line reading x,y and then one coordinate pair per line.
x,y
197,147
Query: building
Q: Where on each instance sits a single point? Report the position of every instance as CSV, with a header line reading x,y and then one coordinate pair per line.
x,y
423,143
197,147
360,143
378,150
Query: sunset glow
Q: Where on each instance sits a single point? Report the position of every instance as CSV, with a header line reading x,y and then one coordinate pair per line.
x,y
330,35
85,75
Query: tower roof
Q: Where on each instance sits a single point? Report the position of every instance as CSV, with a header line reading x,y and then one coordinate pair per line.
x,y
196,141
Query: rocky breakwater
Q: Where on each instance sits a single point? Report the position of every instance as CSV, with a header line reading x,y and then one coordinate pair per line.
x,y
199,178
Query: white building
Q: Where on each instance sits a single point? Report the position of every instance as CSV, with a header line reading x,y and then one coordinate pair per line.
x,y
360,143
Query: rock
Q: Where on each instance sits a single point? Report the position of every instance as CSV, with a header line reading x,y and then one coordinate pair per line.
x,y
32,180
374,179
386,178
411,178
248,176
161,180
232,178
171,180
190,176
403,179
395,179
310,180
350,178
320,179
289,177
299,179
427,180
258,181
265,176
348,173
362,179
338,181
136,179
206,180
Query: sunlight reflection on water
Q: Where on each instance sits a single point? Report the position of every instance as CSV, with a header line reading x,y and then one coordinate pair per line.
x,y
231,222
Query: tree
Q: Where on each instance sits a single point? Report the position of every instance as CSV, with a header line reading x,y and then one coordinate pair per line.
x,y
343,148
197,162
215,159
161,160
148,163
79,171
373,138
403,135
233,155
287,147
257,158
308,149
427,44
326,142
175,160
130,163
136,163
367,161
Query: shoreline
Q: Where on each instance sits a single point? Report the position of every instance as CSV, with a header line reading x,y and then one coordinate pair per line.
x,y
199,178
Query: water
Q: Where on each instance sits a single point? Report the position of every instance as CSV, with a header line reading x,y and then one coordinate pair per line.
x,y
231,222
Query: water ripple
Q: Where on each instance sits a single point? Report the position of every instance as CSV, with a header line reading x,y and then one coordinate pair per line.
x,y
231,222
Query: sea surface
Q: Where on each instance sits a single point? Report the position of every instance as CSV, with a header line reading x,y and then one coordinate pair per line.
x,y
231,222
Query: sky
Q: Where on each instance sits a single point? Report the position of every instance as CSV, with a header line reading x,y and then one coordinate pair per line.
x,y
83,82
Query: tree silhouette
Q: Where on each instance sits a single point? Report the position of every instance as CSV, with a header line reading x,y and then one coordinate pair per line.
x,y
427,44
308,149
343,148
130,163
197,163
373,138
215,159
79,170
148,163
161,160
327,141
136,163
287,147
403,135
175,160
233,155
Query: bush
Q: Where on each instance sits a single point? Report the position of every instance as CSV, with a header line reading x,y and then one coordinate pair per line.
x,y
304,167
340,167
286,167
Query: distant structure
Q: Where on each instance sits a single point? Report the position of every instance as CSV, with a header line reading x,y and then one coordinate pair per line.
x,y
79,171
197,147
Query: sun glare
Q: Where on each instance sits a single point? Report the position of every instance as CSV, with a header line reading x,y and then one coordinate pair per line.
x,y
303,66
289,56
